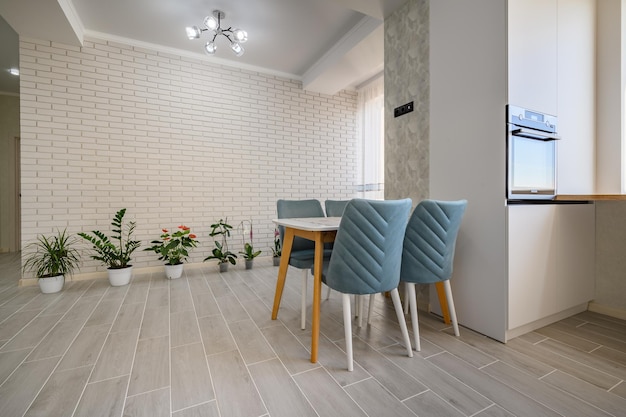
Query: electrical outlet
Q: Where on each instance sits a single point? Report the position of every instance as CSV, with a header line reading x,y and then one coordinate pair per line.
x,y
404,109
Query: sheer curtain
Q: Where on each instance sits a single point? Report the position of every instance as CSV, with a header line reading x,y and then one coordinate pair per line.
x,y
371,134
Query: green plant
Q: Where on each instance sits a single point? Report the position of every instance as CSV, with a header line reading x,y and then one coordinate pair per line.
x,y
221,252
114,252
52,256
276,250
173,249
248,250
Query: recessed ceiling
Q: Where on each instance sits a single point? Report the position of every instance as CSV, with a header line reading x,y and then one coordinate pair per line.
x,y
328,44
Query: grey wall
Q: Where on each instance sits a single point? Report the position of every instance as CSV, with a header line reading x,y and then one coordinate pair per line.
x,y
9,130
610,258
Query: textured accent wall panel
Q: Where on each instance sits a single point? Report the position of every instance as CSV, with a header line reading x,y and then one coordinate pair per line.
x,y
407,78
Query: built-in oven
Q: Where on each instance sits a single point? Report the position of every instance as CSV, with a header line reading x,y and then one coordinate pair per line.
x,y
531,154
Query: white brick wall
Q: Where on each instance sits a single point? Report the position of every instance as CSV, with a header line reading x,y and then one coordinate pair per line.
x,y
174,140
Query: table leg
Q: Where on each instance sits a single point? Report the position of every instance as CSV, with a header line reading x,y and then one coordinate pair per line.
x,y
443,302
318,264
282,270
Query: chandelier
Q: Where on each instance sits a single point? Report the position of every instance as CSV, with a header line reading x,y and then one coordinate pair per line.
x,y
213,24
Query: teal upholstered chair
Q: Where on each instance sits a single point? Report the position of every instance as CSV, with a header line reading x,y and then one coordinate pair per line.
x,y
366,257
303,250
428,253
335,208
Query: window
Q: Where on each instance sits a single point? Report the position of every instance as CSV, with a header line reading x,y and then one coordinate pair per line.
x,y
371,137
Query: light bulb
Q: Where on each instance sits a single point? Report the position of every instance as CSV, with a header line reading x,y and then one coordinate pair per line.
x,y
210,48
237,49
210,22
193,32
240,35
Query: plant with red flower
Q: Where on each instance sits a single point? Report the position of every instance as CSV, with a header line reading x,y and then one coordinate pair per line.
x,y
174,248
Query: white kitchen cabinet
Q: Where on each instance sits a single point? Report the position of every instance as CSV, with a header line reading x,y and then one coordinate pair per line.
x,y
551,255
532,268
532,54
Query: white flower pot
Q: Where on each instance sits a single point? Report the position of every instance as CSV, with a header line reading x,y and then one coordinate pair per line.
x,y
121,276
174,271
51,285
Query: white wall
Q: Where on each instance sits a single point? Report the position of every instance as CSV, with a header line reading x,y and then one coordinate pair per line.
x,y
174,140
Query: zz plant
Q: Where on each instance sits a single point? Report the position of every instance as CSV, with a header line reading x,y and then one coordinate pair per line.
x,y
114,251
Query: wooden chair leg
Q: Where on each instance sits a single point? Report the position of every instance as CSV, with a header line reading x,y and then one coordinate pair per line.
x,y
347,326
455,323
441,293
410,289
395,296
303,303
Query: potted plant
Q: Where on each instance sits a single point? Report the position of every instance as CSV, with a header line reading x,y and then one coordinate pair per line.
x,y
221,252
174,249
248,249
276,250
115,252
51,258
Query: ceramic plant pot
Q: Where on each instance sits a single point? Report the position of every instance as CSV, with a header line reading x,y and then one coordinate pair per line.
x,y
249,263
50,285
120,277
174,271
224,267
276,260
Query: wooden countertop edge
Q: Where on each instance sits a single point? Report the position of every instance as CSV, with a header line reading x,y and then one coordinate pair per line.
x,y
591,197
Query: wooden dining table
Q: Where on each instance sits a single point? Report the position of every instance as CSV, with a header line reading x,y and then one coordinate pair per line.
x,y
320,230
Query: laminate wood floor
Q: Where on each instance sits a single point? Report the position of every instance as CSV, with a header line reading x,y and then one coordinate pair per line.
x,y
204,345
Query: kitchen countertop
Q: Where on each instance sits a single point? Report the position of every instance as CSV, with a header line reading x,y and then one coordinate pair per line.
x,y
590,197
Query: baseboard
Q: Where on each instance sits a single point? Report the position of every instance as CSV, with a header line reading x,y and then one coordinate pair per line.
x,y
618,313
526,328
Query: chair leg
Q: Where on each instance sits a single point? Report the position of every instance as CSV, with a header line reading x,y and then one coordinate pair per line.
x,y
327,292
455,323
410,290
406,302
371,308
347,326
303,303
395,296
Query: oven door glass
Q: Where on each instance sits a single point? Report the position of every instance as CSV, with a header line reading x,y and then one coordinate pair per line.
x,y
532,168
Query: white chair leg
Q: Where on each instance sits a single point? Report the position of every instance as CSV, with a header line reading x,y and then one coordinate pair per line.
x,y
395,296
370,310
406,302
303,306
347,326
327,292
455,324
410,290
360,309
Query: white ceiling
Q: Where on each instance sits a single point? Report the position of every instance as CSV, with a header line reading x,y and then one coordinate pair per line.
x,y
328,44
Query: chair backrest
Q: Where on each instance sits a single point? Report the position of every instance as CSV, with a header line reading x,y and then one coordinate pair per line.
x,y
368,247
287,209
335,208
430,240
